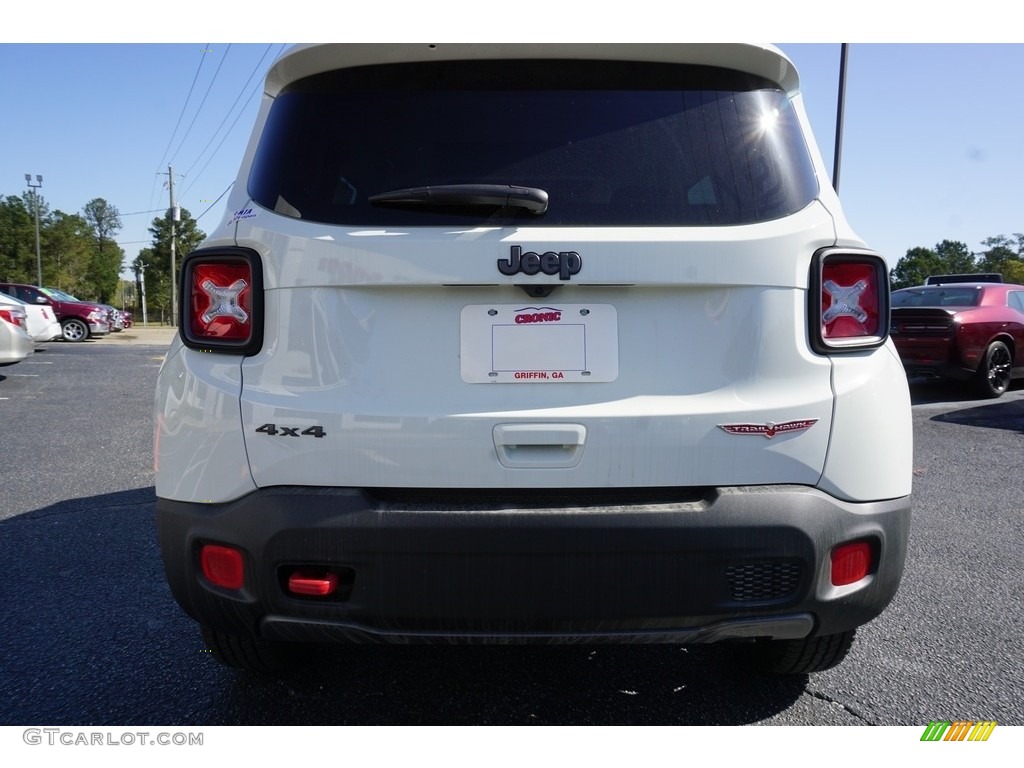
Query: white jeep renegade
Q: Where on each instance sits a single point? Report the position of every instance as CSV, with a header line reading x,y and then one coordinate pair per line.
x,y
533,343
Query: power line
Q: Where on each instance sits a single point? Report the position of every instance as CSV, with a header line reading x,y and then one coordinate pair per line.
x,y
180,115
199,109
232,108
139,213
231,127
214,202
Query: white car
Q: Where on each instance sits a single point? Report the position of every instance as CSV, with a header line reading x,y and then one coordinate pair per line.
x,y
15,343
43,325
533,343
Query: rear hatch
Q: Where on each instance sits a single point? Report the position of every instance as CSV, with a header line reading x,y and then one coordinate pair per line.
x,y
546,273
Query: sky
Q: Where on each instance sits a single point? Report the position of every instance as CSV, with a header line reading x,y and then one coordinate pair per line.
x,y
931,142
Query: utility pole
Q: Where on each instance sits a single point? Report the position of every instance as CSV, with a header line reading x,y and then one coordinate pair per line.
x,y
35,200
174,216
142,291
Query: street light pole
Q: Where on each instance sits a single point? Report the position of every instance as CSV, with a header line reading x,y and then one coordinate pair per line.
x,y
35,200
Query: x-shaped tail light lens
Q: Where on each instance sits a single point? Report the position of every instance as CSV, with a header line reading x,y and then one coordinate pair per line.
x,y
852,307
222,301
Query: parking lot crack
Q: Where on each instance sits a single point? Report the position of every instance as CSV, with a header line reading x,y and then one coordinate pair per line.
x,y
846,707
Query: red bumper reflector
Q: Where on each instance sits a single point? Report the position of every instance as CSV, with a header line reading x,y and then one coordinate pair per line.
x,y
222,566
850,563
312,584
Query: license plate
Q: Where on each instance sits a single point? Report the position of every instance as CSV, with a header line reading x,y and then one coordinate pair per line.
x,y
547,344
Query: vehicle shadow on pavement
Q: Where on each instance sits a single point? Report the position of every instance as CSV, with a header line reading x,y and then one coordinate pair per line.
x,y
93,636
997,414
926,391
514,685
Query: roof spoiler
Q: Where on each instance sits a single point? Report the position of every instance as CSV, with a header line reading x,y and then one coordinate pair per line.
x,y
976,277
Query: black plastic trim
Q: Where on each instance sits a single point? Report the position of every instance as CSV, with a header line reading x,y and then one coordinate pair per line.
x,y
464,572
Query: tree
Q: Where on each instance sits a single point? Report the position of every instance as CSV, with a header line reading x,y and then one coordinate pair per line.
x,y
104,219
155,262
104,268
17,240
1013,271
949,257
956,257
1003,255
67,252
913,268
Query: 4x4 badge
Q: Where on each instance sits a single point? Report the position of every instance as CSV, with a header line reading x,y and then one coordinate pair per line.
x,y
768,429
565,264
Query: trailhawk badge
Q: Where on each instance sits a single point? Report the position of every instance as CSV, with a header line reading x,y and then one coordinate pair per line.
x,y
769,429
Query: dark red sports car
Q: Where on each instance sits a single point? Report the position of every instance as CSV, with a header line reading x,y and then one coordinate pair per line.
x,y
967,331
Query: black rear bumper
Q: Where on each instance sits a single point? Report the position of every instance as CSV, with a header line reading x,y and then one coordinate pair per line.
x,y
452,566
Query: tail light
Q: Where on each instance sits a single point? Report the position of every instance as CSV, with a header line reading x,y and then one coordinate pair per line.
x,y
848,301
15,316
222,301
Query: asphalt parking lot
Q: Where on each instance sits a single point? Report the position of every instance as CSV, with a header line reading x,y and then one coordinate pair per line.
x,y
91,634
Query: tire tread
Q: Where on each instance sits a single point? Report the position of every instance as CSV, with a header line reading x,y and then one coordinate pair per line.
x,y
248,653
805,656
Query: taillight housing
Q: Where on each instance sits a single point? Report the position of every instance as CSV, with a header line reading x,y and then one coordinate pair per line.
x,y
848,301
222,301
15,316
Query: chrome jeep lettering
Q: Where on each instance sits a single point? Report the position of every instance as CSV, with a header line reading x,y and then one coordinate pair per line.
x,y
565,264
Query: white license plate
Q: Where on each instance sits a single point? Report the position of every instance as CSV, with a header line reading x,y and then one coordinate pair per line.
x,y
539,344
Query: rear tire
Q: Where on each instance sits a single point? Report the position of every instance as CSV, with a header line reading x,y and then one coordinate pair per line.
x,y
248,653
801,657
993,376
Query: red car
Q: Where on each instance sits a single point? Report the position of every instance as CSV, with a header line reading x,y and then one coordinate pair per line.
x,y
80,320
965,331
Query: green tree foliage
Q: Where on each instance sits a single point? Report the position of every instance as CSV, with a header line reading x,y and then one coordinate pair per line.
x,y
104,267
77,252
997,251
155,262
956,257
947,258
1004,255
1013,271
913,268
67,253
17,240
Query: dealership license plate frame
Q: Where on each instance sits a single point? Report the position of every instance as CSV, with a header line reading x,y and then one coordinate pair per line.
x,y
539,344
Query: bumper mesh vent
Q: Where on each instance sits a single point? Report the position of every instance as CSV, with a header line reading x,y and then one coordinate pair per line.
x,y
770,580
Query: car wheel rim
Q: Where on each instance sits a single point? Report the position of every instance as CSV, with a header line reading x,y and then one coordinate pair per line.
x,y
73,331
999,370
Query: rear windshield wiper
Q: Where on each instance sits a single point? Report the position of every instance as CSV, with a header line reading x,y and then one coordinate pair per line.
x,y
501,195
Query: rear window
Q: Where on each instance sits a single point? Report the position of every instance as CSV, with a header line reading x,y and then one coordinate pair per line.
x,y
947,296
611,143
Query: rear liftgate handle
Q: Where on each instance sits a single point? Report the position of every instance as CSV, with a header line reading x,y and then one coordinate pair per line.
x,y
539,446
